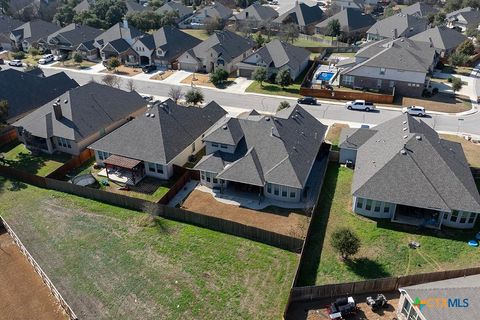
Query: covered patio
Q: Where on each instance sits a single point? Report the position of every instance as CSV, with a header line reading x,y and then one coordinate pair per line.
x,y
428,218
123,170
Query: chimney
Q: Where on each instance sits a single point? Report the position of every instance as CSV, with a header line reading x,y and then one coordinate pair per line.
x,y
431,42
57,109
49,125
395,33
125,23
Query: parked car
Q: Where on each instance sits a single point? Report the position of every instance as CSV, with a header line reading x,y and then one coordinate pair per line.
x,y
307,100
47,58
149,68
15,63
415,111
360,105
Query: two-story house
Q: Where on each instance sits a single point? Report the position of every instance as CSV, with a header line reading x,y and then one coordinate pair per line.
x,y
398,25
67,39
302,15
216,11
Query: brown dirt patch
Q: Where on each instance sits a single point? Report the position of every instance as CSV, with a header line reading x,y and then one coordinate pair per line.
x,y
203,80
124,71
440,102
333,134
163,76
283,221
472,150
23,295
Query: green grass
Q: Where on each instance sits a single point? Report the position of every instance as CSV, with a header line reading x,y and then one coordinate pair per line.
x,y
384,250
292,90
197,33
19,157
111,263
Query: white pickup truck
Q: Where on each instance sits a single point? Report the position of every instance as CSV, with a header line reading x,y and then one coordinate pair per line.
x,y
360,105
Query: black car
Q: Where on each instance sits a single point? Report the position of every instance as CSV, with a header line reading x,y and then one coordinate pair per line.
x,y
149,68
307,100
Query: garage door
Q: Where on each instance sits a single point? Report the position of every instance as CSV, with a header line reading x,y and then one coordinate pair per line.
x,y
247,73
192,67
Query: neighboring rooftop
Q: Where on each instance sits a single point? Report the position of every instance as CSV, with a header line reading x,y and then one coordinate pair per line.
x,y
118,31
7,24
74,34
162,133
301,14
34,31
182,10
401,24
441,37
257,12
216,10
420,9
350,20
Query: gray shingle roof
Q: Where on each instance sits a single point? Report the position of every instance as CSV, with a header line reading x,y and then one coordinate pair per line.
x,y
350,20
406,26
279,150
257,12
183,11
161,138
118,31
8,24
75,34
471,17
120,45
25,92
302,15
452,15
216,10
463,288
277,54
134,6
82,6
85,110
420,9
433,173
354,138
443,38
36,30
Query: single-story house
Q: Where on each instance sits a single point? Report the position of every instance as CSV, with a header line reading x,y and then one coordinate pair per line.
x,y
406,173
455,298
398,25
77,118
7,25
32,34
275,56
256,15
152,143
198,19
172,6
223,49
339,5
401,63
164,46
67,39
352,22
420,9
302,15
463,18
25,92
442,38
271,156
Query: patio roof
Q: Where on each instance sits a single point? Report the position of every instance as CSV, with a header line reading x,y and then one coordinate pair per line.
x,y
122,162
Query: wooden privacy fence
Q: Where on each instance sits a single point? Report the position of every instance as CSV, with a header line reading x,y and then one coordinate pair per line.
x,y
72,164
8,137
40,271
347,95
375,285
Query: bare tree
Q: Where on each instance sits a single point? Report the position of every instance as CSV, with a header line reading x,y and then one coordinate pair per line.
x,y
130,85
175,93
111,80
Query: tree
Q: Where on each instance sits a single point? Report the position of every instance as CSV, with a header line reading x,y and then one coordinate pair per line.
x,y
175,93
471,32
111,80
212,24
194,96
145,20
64,15
456,84
345,242
260,75
130,85
333,28
467,48
218,77
3,110
283,105
102,14
289,32
114,15
113,63
259,39
439,19
283,78
388,11
77,58
155,4
19,55
458,59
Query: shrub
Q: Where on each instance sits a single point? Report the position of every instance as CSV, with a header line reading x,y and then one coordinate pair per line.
x,y
218,77
283,78
77,57
34,51
260,75
194,96
18,55
283,105
345,242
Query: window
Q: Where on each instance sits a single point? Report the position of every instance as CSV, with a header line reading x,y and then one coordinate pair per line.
x,y
463,217
382,71
193,147
386,207
215,145
379,83
269,188
276,190
292,194
445,216
360,203
64,142
153,167
202,173
223,146
103,155
215,180
377,206
208,176
284,193
369,205
391,84
348,80
413,314
406,307
454,216
471,219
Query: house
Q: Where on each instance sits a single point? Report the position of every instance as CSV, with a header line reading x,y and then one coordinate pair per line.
x,y
172,6
401,64
420,9
463,18
164,46
406,173
67,39
152,143
275,56
444,39
77,118
132,6
455,298
223,49
353,22
32,34
30,9
215,11
255,16
302,15
271,156
398,25
82,6
25,92
340,5
7,25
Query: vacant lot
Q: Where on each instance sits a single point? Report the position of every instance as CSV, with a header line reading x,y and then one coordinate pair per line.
x,y
384,251
472,150
23,295
283,221
441,102
112,263
17,156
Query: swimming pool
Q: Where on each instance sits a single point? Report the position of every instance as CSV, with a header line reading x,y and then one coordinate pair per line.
x,y
325,76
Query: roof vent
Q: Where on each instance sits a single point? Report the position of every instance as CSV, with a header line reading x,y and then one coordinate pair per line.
x,y
147,114
66,101
404,122
225,127
58,100
403,151
405,136
405,129
267,118
152,115
419,138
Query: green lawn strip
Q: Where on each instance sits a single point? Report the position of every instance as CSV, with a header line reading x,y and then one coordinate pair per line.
x,y
292,90
19,157
384,250
110,262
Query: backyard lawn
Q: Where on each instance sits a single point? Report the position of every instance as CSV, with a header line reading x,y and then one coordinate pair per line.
x,y
384,251
17,156
110,262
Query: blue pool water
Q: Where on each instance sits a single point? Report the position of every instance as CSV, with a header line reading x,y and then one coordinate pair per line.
x,y
325,76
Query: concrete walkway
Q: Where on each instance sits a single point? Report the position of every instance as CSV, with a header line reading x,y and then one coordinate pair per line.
x,y
183,194
239,86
